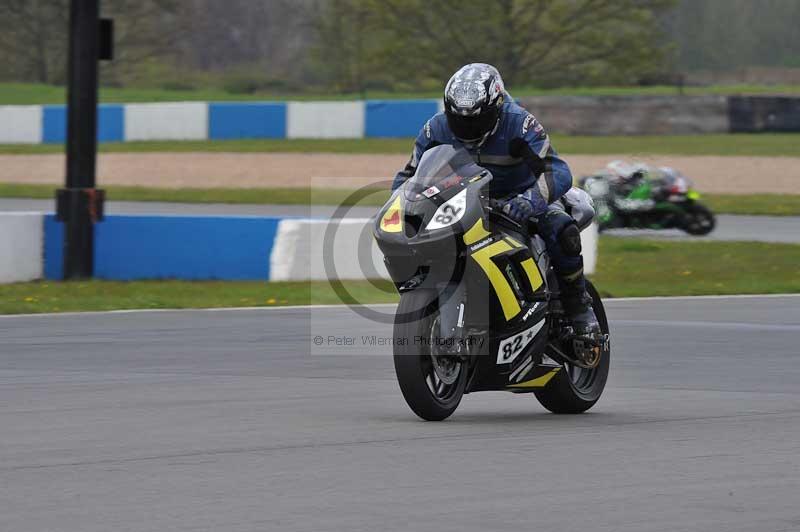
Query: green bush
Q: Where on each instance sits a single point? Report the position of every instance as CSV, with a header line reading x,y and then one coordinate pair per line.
x,y
178,85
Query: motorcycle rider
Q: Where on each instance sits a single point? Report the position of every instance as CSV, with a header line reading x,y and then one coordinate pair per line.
x,y
625,177
504,138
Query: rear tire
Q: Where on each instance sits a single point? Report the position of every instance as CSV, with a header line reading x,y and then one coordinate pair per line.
x,y
429,397
575,390
698,220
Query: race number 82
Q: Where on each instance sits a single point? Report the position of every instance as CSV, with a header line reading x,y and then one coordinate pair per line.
x,y
448,213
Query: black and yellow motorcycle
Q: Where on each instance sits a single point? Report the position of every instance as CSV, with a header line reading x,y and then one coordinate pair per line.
x,y
479,304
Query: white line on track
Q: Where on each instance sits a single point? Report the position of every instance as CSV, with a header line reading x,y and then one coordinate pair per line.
x,y
676,298
733,325
378,305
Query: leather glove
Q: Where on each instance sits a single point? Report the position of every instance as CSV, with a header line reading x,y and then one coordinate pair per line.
x,y
527,205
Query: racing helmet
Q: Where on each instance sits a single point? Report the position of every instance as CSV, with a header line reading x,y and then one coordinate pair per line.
x,y
623,170
473,98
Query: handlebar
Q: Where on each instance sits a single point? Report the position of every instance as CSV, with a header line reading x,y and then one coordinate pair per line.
x,y
494,208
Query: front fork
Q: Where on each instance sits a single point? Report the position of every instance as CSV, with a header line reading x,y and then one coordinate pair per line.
x,y
452,307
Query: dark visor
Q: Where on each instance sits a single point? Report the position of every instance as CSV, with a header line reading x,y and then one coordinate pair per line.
x,y
472,128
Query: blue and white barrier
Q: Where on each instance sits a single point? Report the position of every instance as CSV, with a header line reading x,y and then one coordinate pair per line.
x,y
246,121
174,247
577,115
21,245
298,252
110,120
35,124
398,118
325,120
206,247
21,124
166,121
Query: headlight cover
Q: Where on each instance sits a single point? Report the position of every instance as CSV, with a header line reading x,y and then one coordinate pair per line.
x,y
449,212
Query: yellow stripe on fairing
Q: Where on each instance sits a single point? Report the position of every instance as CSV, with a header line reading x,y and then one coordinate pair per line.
x,y
534,276
538,382
475,233
508,300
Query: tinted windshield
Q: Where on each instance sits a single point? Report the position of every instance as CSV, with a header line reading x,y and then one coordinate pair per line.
x,y
440,167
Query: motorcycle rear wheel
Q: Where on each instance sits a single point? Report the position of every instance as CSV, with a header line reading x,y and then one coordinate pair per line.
x,y
432,386
575,390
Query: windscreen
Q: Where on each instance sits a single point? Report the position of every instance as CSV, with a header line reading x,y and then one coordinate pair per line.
x,y
440,168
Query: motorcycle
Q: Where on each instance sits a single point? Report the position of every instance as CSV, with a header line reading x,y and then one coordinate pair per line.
x,y
479,304
665,201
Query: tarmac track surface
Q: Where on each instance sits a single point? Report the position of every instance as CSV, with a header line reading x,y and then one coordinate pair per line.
x,y
225,420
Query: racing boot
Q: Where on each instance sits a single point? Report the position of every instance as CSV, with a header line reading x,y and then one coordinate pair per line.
x,y
577,305
588,341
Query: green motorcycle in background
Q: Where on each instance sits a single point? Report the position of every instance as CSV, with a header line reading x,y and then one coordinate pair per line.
x,y
647,198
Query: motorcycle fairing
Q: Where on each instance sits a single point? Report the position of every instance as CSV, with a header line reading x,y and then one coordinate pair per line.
x,y
505,281
537,382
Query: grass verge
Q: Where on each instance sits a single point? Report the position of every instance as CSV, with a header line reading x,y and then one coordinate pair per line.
x,y
251,196
765,144
79,296
35,93
627,268
753,204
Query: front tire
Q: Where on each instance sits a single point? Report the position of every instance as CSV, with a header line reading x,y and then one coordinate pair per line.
x,y
418,370
575,390
698,220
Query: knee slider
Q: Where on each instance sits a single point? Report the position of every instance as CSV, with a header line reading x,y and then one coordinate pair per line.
x,y
570,240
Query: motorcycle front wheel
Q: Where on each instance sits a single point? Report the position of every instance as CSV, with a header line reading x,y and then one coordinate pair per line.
x,y
698,220
432,384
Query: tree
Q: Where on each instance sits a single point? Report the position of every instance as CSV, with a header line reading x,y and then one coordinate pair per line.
x,y
532,42
34,36
33,39
143,30
347,32
730,34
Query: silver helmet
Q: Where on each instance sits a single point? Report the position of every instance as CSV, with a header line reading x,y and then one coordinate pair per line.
x,y
473,99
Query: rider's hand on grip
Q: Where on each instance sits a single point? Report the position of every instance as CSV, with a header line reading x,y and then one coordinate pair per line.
x,y
519,209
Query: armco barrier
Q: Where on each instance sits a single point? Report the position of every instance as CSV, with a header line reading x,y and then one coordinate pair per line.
x,y
631,115
585,115
774,114
20,247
